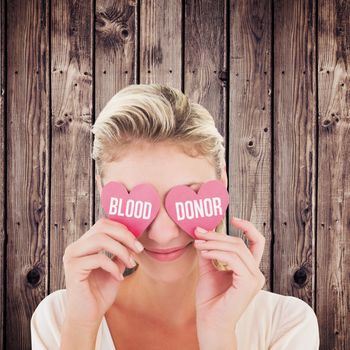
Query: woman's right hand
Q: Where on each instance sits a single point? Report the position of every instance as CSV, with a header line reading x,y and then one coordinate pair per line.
x,y
92,278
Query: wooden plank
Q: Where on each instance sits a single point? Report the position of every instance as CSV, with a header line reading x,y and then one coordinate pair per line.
x,y
2,169
27,165
250,127
205,62
115,53
294,143
333,214
160,42
71,165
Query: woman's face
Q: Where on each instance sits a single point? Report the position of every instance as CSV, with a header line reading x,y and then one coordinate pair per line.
x,y
164,165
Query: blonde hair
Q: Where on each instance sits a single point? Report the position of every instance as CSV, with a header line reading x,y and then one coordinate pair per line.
x,y
155,113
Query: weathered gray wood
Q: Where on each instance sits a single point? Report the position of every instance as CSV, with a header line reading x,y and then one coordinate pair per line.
x,y
115,53
71,164
2,170
250,129
294,145
333,213
160,42
27,166
205,61
252,64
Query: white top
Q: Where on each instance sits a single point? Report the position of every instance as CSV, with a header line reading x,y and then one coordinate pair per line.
x,y
271,321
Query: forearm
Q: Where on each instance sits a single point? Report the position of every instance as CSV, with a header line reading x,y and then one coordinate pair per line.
x,y
75,336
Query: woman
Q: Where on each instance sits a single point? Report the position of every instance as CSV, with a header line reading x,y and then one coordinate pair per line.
x,y
210,296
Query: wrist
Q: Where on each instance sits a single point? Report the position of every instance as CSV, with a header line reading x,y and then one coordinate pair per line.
x,y
76,335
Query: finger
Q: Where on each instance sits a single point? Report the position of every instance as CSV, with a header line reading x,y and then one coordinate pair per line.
x,y
231,259
205,266
216,236
255,238
96,243
85,264
114,229
240,249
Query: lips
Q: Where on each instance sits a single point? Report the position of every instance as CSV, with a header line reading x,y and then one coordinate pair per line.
x,y
166,251
170,256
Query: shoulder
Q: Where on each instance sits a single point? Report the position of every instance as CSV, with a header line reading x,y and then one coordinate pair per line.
x,y
47,319
52,305
282,321
296,325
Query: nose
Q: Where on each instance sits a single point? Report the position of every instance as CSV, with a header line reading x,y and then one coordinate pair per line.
x,y
163,229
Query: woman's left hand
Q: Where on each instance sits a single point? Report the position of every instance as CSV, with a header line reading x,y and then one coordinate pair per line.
x,y
222,296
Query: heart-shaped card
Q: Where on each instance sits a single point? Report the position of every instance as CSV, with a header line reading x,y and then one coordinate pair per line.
x,y
136,210
205,208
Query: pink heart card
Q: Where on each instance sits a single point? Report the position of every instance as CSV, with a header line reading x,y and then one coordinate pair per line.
x,y
136,210
205,208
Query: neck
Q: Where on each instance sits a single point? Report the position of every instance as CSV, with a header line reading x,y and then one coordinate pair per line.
x,y
163,302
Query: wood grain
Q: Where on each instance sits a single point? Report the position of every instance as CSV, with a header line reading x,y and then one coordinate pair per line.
x,y
273,74
2,169
71,200
27,113
250,130
333,200
294,149
115,60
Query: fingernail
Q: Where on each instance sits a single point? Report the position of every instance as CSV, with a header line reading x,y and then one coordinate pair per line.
x,y
199,241
139,246
132,261
200,230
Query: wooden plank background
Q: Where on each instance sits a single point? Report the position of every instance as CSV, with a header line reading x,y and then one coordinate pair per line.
x,y
274,75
